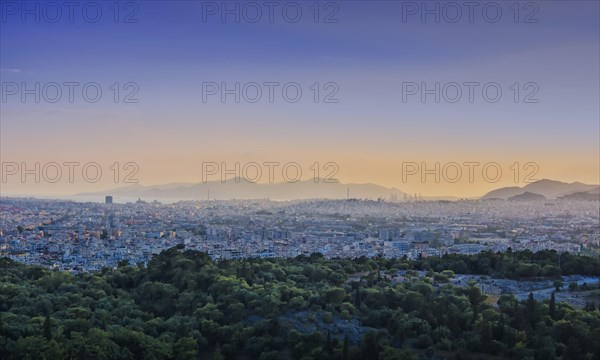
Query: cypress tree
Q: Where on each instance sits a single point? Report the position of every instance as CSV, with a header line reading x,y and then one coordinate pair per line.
x,y
345,349
552,310
48,327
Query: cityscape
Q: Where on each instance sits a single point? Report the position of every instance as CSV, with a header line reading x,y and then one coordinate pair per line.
x,y
74,236
299,180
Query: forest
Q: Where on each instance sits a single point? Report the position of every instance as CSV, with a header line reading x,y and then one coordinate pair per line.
x,y
184,305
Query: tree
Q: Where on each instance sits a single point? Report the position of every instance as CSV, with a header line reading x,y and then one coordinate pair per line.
x,y
558,284
530,303
370,346
551,271
552,307
30,347
47,327
217,354
335,296
345,348
329,343
185,348
573,286
530,308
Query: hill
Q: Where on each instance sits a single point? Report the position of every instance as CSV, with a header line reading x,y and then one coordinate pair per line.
x,y
550,189
527,196
592,195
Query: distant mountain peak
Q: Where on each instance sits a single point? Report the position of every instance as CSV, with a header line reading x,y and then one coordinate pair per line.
x,y
547,181
550,189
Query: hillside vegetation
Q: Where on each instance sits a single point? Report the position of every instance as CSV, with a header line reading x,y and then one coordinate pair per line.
x,y
183,305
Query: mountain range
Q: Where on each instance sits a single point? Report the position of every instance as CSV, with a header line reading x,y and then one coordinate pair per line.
x,y
241,189
244,190
550,189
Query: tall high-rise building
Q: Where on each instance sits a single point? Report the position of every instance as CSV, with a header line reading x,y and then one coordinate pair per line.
x,y
108,199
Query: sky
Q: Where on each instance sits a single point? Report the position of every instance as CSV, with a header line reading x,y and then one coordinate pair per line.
x,y
367,71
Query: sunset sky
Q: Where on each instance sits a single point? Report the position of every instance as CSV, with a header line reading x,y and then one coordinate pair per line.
x,y
368,53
